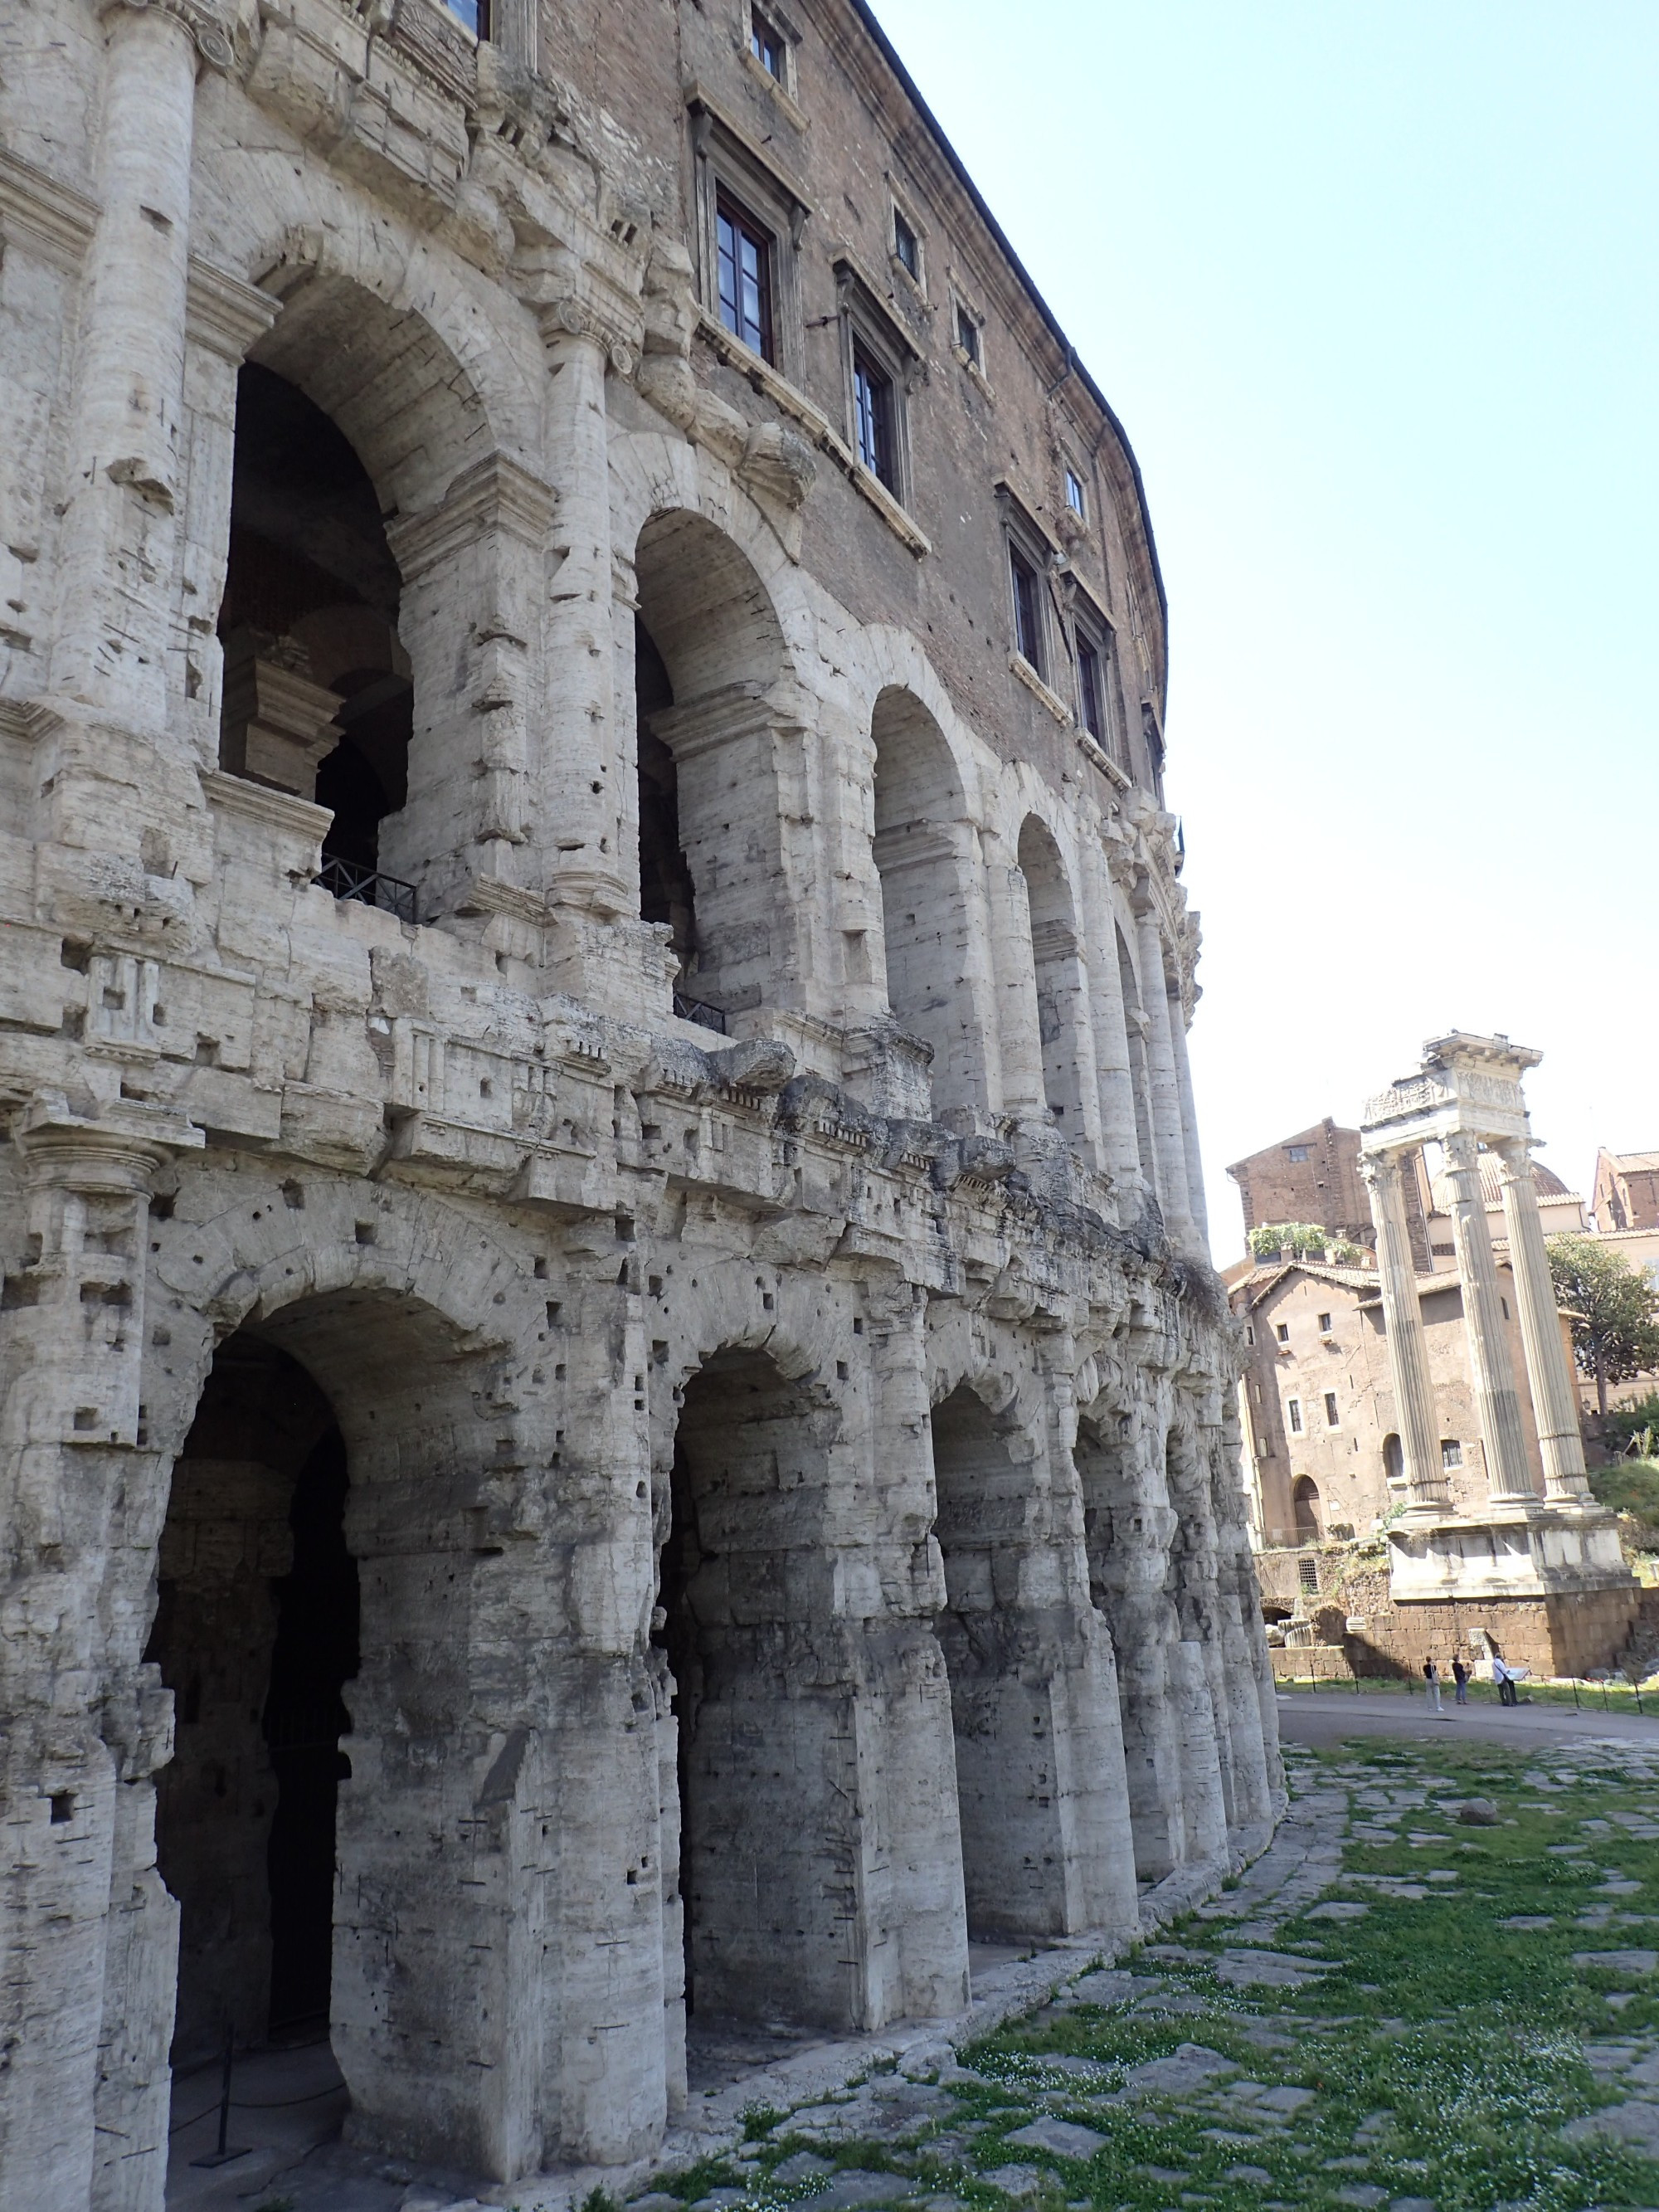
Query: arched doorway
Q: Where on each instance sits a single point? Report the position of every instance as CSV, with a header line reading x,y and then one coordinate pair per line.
x,y
1394,1461
1304,1503
256,1633
926,922
712,864
766,1761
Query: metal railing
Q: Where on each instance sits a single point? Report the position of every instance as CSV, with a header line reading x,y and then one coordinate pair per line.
x,y
346,880
699,1011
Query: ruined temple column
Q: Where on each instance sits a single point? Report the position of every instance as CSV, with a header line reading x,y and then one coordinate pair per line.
x,y
115,563
1169,1139
1554,1401
1508,1476
1402,1314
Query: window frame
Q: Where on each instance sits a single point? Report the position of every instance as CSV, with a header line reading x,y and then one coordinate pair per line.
x,y
1073,482
1091,628
1025,599
1151,739
903,228
965,316
731,213
1451,1453
1333,1411
764,26
870,337
1281,1331
1293,1416
725,166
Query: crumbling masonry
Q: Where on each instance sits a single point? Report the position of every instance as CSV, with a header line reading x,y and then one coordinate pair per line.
x,y
613,1405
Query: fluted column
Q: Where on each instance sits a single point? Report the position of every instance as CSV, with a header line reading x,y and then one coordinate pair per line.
x,y
1402,1314
1169,1141
117,548
1549,1376
1509,1477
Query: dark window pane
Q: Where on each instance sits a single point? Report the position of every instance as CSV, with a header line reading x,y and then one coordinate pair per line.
x,y
967,335
1074,491
872,407
1028,631
904,242
1088,685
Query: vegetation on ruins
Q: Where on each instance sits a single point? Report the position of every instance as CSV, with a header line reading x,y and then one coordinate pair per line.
x,y
1613,1310
1302,1240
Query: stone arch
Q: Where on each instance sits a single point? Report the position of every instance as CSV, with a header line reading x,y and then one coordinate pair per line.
x,y
922,850
385,1403
1059,979
447,550
710,654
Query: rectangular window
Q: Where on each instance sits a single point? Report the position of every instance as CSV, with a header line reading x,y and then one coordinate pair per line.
x,y
1451,1452
1090,692
1028,609
967,335
1283,1331
1332,1419
1074,494
1324,1324
746,270
766,43
1293,1407
872,409
905,246
1296,1151
1307,1576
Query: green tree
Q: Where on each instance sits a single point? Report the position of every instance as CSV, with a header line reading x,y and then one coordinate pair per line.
x,y
1612,1308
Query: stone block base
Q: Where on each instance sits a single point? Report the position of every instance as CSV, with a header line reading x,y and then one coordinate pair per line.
x,y
1574,1634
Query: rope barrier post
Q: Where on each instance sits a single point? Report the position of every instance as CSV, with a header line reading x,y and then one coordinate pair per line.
x,y
222,2156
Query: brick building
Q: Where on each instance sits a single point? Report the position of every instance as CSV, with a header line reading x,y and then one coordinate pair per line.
x,y
614,1415
1626,1193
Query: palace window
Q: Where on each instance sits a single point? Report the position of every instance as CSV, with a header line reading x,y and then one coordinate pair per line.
x,y
1028,609
1076,498
873,412
907,248
768,46
1293,1409
1333,1418
746,250
969,337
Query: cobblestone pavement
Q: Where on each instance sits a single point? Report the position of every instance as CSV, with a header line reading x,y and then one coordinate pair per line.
x,y
1437,1991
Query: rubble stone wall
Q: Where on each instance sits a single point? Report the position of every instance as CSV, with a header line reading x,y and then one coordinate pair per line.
x,y
528,1515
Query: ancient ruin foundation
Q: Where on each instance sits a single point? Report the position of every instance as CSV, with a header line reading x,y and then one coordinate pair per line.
x,y
615,1413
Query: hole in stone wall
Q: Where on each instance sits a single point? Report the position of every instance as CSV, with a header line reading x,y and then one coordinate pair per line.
x,y
665,891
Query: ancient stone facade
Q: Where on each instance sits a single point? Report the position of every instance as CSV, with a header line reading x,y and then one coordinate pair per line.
x,y
614,1405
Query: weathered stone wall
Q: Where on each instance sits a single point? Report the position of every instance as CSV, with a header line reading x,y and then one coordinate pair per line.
x,y
647,1513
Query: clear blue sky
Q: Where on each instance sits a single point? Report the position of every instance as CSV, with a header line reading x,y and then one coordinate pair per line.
x,y
1373,288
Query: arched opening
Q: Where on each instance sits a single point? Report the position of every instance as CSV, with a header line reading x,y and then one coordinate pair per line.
x,y
712,862
925,924
1127,1524
1135,1023
318,698
256,1633
1304,1503
1058,975
1394,1461
766,1757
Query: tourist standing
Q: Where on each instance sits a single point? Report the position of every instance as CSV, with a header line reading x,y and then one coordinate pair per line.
x,y
1461,1676
1431,1676
1505,1681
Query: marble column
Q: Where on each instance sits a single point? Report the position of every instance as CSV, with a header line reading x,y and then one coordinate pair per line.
x,y
1169,1141
115,565
1509,1478
1549,1376
1408,1358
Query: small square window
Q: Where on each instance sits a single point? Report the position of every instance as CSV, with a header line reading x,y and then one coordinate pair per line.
x,y
1324,1324
1028,609
1283,1331
1296,1151
1293,1407
1332,1420
873,413
907,248
968,336
1451,1452
1075,496
768,46
1249,1333
746,277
